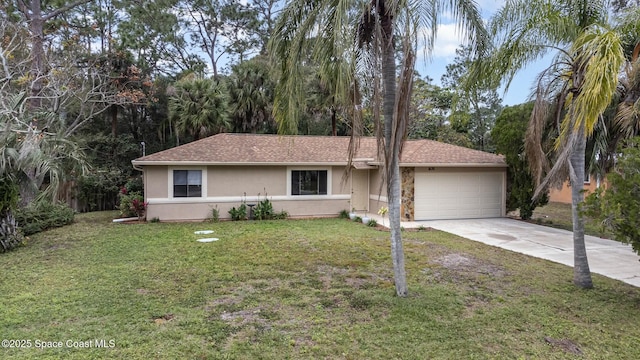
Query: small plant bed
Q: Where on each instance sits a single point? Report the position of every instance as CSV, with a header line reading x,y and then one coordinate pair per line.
x,y
300,289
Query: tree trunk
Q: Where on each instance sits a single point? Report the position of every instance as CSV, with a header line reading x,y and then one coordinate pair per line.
x,y
36,28
114,120
581,272
392,154
334,127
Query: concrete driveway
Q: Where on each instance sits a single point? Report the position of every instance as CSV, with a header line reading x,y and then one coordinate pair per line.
x,y
606,257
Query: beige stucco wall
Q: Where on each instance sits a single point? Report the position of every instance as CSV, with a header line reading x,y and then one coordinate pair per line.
x,y
228,186
156,182
246,180
377,191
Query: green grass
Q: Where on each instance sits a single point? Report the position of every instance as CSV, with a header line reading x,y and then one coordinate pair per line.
x,y
558,215
303,289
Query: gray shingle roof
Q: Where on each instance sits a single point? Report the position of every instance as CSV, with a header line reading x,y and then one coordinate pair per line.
x,y
230,148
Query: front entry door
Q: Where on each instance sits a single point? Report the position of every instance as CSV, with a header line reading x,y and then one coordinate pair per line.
x,y
360,190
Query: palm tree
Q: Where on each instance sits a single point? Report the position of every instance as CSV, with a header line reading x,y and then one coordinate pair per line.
x,y
29,155
355,42
199,107
627,117
251,95
572,93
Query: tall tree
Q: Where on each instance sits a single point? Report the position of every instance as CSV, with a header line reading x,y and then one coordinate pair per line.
x,y
267,11
475,108
508,135
363,36
219,28
250,96
199,107
37,14
572,92
68,92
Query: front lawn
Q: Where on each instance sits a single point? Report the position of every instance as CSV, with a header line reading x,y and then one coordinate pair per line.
x,y
303,289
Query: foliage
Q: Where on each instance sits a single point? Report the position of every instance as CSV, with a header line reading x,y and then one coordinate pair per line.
x,y
8,195
250,88
131,204
344,214
43,215
474,108
263,210
618,205
282,215
10,235
29,155
383,211
215,214
110,156
240,213
98,190
372,223
508,135
199,107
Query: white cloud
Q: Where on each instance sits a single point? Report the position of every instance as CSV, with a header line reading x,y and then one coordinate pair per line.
x,y
448,40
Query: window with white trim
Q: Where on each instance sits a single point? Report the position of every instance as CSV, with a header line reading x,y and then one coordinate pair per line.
x,y
309,182
187,183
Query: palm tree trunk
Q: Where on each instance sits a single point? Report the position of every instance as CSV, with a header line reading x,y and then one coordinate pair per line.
x,y
392,156
581,272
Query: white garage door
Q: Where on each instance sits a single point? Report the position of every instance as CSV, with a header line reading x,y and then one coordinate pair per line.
x,y
458,195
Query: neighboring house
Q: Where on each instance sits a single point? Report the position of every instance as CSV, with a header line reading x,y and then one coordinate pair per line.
x,y
563,194
305,176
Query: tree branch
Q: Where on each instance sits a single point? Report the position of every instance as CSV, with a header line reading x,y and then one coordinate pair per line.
x,y
60,10
22,7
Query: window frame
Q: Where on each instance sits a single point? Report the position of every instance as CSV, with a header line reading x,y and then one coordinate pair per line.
x,y
290,177
203,182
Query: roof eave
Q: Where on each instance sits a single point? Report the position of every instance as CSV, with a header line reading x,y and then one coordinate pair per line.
x,y
233,163
450,165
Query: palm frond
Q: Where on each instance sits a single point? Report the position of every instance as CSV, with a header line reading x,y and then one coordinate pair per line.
x,y
599,52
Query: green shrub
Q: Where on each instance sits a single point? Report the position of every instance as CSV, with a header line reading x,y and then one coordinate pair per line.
x,y
215,214
281,215
372,223
238,214
344,214
10,235
618,207
43,215
132,204
135,185
263,210
8,195
357,219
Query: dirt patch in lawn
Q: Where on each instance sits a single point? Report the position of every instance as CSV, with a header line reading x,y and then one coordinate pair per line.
x,y
564,344
484,282
466,263
243,317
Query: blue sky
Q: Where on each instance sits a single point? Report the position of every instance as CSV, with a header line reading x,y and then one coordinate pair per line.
x,y
447,42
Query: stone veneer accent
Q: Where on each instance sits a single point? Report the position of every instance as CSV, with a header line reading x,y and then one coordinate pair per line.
x,y
407,176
